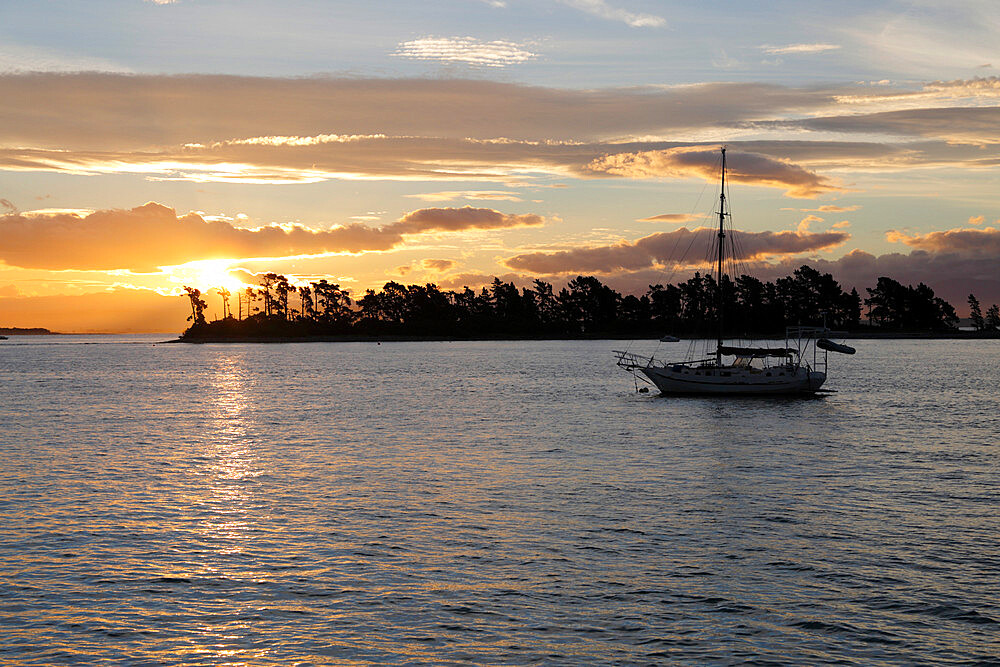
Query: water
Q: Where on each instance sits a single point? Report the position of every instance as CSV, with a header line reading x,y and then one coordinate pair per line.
x,y
490,503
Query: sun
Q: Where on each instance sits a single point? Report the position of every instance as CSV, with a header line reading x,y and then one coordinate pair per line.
x,y
206,274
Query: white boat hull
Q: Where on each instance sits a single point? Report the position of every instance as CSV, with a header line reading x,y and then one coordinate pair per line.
x,y
683,379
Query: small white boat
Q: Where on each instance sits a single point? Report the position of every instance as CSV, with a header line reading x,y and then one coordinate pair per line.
x,y
753,370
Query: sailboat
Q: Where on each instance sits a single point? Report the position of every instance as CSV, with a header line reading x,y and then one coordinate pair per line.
x,y
797,367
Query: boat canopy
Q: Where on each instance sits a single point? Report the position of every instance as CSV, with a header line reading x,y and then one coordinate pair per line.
x,y
758,351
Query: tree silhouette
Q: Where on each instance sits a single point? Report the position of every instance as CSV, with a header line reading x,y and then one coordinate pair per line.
x,y
198,306
976,314
584,307
281,290
993,317
226,310
306,308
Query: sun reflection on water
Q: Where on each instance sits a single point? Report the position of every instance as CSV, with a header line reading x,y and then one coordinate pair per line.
x,y
233,464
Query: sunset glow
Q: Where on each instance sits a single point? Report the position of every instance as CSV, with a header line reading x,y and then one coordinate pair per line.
x,y
206,274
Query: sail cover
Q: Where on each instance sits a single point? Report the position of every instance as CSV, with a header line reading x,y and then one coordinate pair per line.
x,y
825,344
758,351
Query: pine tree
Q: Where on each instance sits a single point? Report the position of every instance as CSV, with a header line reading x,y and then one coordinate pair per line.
x,y
993,317
976,313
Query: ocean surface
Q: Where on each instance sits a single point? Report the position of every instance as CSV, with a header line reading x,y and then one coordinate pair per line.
x,y
499,503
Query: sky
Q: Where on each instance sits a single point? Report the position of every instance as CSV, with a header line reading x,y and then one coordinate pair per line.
x,y
146,145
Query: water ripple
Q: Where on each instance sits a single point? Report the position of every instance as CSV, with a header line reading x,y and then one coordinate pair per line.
x,y
489,503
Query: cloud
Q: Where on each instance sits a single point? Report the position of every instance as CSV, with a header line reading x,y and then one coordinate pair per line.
x,y
798,48
951,275
467,50
843,224
805,223
831,208
669,248
490,195
156,112
679,218
976,86
29,58
965,242
402,158
312,129
973,125
153,235
602,9
976,220
952,262
749,168
458,219
438,265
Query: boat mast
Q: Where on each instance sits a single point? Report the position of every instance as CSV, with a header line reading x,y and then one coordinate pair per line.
x,y
722,251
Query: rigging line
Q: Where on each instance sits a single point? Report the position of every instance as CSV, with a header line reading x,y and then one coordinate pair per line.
x,y
665,277
669,276
694,234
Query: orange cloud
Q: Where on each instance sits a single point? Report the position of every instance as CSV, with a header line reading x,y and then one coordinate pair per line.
x,y
154,235
831,208
668,247
703,162
805,222
438,265
459,219
967,242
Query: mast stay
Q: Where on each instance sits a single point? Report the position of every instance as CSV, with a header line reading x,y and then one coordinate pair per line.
x,y
720,300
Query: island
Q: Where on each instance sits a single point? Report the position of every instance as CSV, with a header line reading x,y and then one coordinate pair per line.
x,y
277,310
30,331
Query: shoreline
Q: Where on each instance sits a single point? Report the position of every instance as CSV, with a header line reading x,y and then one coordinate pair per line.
x,y
400,338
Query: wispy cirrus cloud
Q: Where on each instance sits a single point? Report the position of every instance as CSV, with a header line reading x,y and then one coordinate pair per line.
x,y
826,208
29,58
791,49
678,218
958,125
602,9
451,195
466,50
455,129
